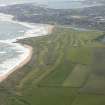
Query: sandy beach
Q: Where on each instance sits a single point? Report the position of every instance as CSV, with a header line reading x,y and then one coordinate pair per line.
x,y
24,61
34,31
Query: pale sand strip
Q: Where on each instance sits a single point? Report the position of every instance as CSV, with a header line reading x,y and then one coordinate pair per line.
x,y
25,60
34,30
47,29
50,29
20,65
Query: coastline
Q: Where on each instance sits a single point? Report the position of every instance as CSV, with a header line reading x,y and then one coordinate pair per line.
x,y
24,61
34,31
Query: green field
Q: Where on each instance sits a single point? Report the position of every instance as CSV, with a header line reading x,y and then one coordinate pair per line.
x,y
67,68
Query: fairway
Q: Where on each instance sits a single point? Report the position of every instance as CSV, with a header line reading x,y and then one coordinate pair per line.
x,y
67,68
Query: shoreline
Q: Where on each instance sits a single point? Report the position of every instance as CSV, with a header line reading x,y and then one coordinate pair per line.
x,y
22,63
33,31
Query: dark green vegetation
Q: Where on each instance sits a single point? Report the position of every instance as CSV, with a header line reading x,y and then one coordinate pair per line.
x,y
90,18
67,68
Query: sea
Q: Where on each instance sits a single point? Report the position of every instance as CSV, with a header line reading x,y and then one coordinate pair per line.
x,y
11,53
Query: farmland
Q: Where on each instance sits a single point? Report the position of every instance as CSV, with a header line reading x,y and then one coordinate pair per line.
x,y
67,68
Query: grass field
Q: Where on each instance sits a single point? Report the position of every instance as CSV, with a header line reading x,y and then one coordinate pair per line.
x,y
67,68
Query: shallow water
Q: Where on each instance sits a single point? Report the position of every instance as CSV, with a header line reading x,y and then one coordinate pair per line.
x,y
10,53
9,31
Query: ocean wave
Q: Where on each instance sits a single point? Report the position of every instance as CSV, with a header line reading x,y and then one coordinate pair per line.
x,y
9,64
33,31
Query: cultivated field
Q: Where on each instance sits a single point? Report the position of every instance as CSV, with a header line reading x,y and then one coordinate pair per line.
x,y
67,68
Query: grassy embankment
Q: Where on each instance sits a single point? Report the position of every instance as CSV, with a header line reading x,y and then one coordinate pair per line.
x,y
67,68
